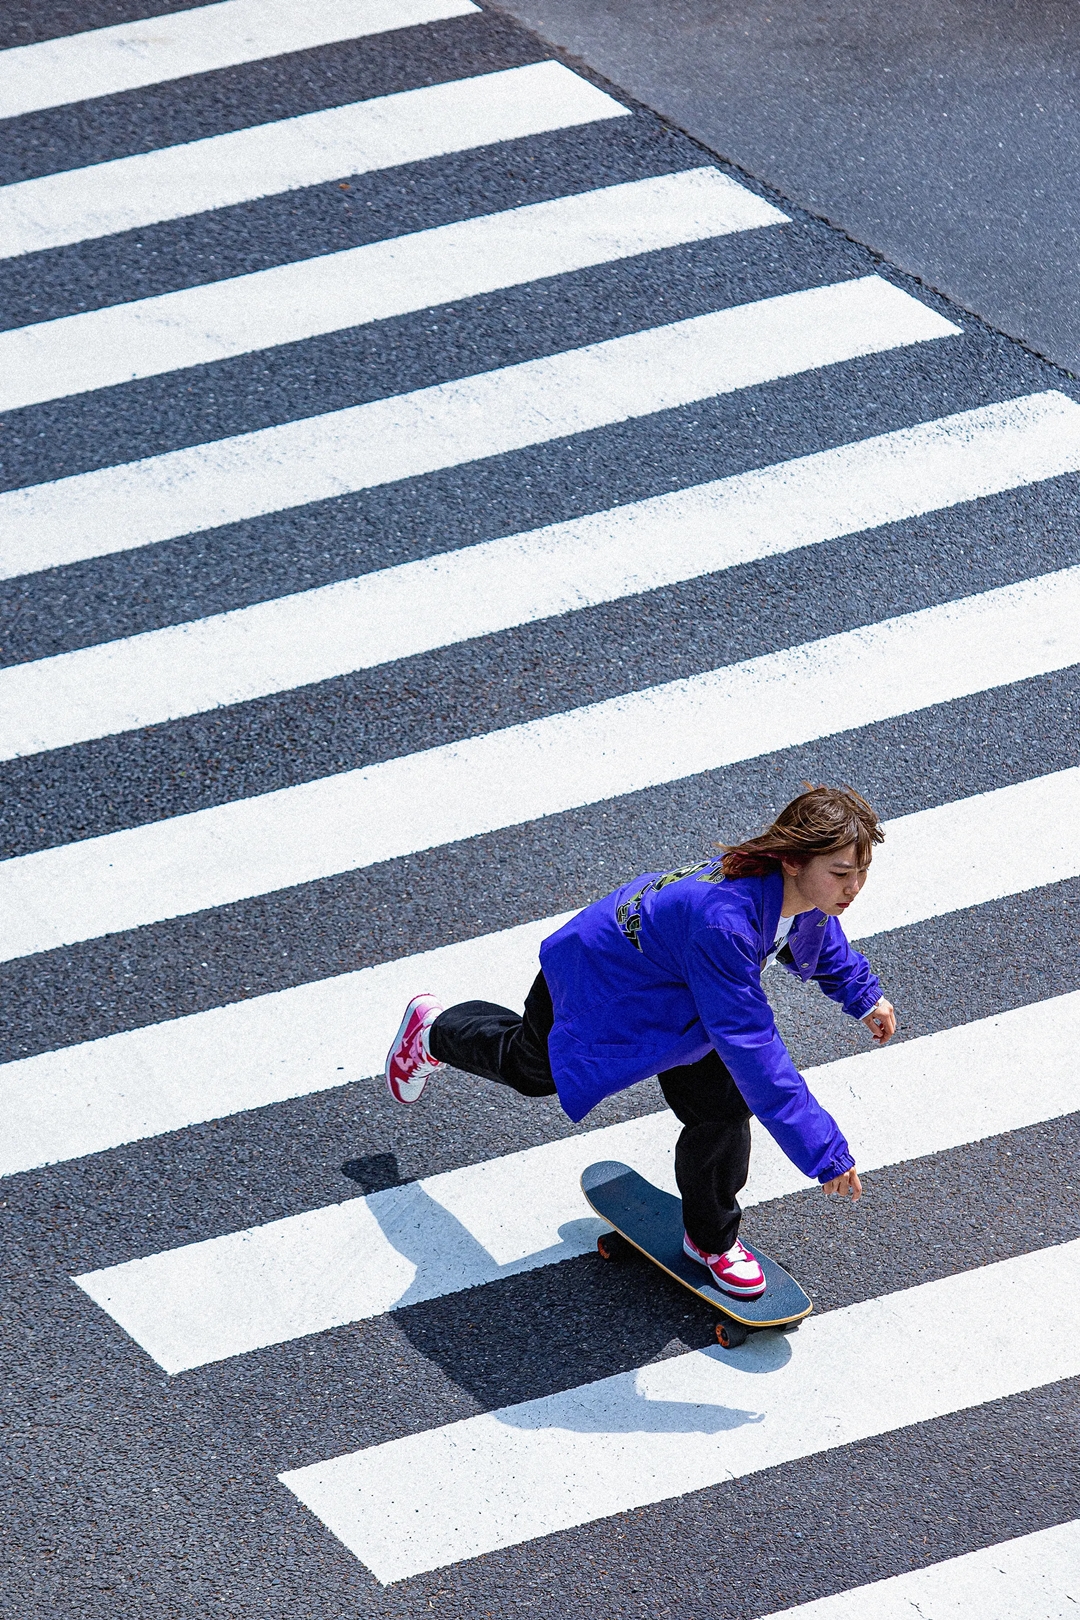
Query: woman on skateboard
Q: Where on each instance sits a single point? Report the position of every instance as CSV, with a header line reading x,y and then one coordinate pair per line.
x,y
664,977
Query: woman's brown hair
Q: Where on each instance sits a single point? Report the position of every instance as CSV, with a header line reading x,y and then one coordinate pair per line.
x,y
819,821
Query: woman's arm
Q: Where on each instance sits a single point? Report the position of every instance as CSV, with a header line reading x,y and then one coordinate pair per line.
x,y
724,974
847,978
845,975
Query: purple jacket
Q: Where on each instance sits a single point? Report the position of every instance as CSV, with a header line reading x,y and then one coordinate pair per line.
x,y
669,966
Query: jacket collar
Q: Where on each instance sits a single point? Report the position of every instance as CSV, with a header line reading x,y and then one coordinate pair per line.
x,y
772,898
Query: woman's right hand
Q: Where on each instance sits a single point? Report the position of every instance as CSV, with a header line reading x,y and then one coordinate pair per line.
x,y
843,1185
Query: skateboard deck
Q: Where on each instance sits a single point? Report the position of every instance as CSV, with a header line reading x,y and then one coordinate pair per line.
x,y
651,1221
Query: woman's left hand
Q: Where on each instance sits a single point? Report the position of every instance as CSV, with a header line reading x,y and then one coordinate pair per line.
x,y
881,1022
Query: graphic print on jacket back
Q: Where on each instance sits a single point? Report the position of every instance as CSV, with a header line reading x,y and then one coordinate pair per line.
x,y
628,914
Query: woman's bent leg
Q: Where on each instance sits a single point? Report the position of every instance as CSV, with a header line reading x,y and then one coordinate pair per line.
x,y
498,1044
712,1158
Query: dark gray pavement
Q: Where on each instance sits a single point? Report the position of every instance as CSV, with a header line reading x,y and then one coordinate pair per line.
x,y
945,134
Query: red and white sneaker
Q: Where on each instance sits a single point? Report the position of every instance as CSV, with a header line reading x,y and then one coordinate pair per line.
x,y
409,1063
736,1272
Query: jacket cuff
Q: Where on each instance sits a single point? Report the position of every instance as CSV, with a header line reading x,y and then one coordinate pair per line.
x,y
842,1162
869,1003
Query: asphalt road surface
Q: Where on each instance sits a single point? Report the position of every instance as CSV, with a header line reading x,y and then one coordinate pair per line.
x,y
435,490
943,133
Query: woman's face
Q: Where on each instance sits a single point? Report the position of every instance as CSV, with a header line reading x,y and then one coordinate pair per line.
x,y
827,883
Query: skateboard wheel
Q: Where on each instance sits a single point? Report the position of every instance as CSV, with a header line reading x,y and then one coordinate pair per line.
x,y
612,1246
730,1335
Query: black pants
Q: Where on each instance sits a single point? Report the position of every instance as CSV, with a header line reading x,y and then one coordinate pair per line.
x,y
713,1153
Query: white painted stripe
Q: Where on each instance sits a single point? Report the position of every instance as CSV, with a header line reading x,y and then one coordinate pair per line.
x,y
273,646
221,170
448,424
1034,1577
152,50
295,301
310,1272
290,1043
419,801
1018,838
368,1255
435,1498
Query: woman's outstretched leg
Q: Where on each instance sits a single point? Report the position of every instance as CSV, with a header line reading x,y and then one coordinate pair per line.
x,y
477,1036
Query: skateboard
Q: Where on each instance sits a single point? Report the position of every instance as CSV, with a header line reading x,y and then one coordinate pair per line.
x,y
650,1221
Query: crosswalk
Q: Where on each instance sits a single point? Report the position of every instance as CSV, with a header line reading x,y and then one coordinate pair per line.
x,y
452,423
418,801
152,50
224,170
641,1437
1030,1578
337,290
466,1227
398,612
247,1054
882,438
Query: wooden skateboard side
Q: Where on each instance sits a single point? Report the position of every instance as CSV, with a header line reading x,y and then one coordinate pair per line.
x,y
651,1220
